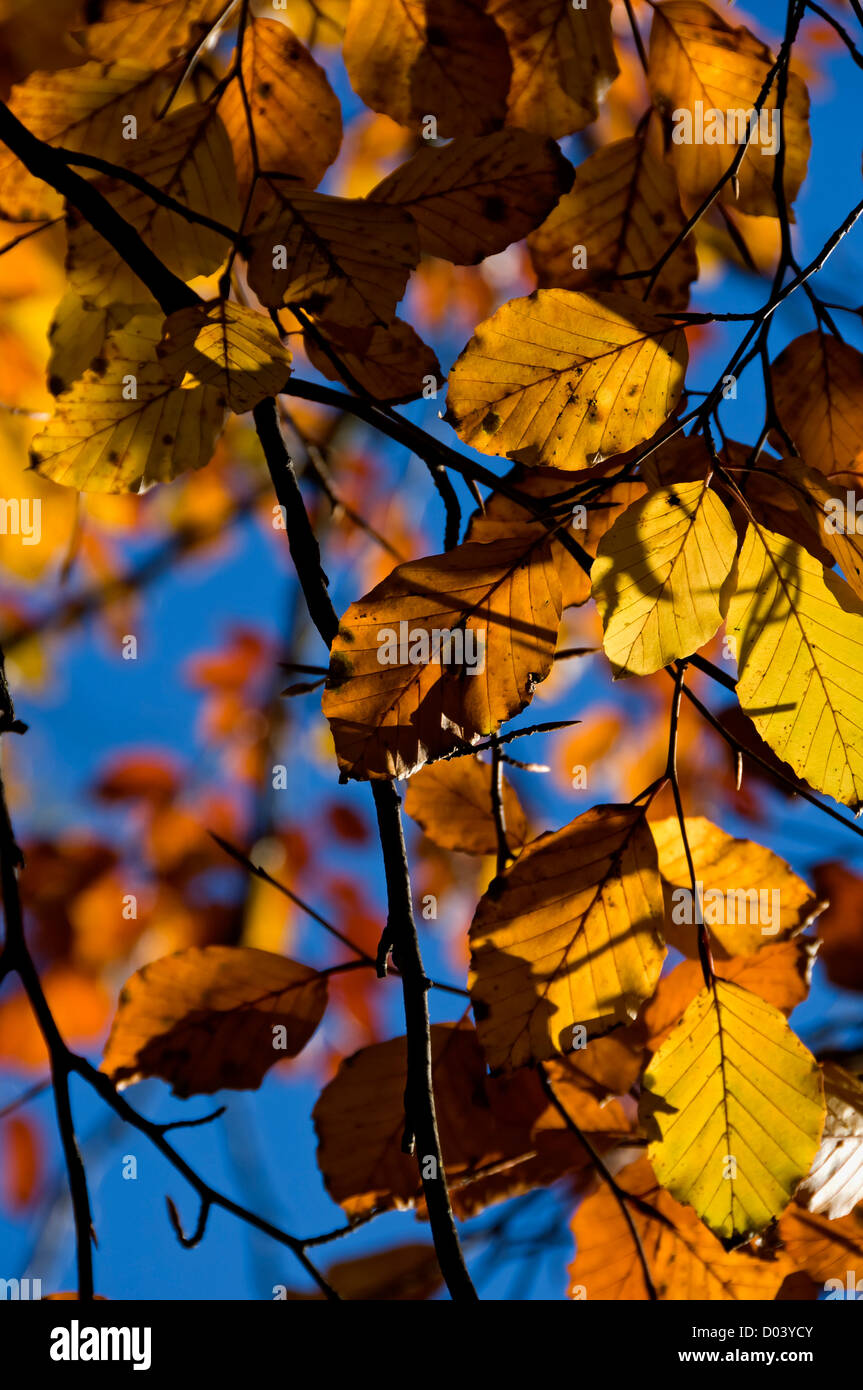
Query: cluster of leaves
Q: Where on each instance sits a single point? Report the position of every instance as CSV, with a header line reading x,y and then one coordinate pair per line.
x,y
196,251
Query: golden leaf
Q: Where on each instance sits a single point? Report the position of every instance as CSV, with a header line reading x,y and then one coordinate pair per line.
x,y
295,114
565,379
659,578
799,634
563,62
818,392
189,158
451,801
124,425
390,362
570,935
227,346
696,57
624,212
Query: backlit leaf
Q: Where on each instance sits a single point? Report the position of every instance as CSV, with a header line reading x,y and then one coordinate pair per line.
x,y
451,801
295,114
124,424
413,58
566,380
659,577
563,62
695,56
734,1105
684,1260
569,935
818,391
472,197
834,1185
799,634
227,346
441,652
389,362
623,212
208,1019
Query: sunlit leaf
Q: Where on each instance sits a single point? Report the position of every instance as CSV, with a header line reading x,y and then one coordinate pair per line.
x,y
227,346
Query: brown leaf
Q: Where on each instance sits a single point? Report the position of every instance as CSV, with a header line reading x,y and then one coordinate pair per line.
x,y
472,197
209,1019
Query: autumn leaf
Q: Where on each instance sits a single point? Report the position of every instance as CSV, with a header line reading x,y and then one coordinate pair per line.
x,y
621,215
359,1120
80,108
451,801
343,259
503,517
738,922
296,120
734,1105
189,159
829,517
660,576
684,1261
780,974
412,58
569,936
696,57
391,363
563,62
825,1249
439,654
77,335
149,33
124,425
472,197
817,385
227,346
834,1184
212,1018
566,380
799,635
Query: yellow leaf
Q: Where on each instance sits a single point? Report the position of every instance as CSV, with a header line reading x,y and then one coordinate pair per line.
x,y
623,212
799,634
659,577
443,650
227,346
451,801
684,1260
503,518
834,1185
391,363
740,870
563,62
472,197
149,33
818,391
189,158
317,21
76,336
125,425
295,114
695,57
79,108
570,935
340,258
208,1019
566,380
734,1105
824,504
411,59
